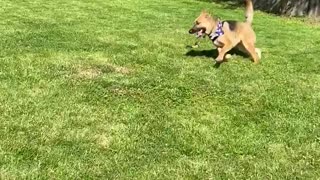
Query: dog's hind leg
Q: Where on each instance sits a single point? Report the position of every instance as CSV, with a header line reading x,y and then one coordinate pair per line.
x,y
252,51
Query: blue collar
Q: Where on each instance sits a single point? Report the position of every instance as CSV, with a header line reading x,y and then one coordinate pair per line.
x,y
219,32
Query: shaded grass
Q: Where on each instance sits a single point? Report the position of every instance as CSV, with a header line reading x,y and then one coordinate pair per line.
x,y
107,90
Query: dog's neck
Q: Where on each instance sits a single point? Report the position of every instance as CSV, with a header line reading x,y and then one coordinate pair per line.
x,y
214,23
217,32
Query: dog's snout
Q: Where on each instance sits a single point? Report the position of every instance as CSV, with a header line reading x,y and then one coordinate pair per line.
x,y
191,31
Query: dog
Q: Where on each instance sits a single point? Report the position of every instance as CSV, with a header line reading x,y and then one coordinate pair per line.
x,y
227,35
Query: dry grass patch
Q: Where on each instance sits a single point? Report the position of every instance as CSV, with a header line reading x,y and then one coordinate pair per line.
x,y
92,72
88,72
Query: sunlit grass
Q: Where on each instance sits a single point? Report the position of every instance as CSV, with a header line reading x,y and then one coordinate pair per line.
x,y
107,89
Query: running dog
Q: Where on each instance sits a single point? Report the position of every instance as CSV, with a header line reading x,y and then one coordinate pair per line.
x,y
227,35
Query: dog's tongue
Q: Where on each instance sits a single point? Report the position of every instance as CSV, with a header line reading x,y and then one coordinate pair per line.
x,y
199,34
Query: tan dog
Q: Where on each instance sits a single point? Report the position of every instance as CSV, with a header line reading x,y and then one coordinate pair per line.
x,y
227,35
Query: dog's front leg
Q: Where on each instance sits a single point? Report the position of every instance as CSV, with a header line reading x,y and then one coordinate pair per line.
x,y
227,56
223,46
222,52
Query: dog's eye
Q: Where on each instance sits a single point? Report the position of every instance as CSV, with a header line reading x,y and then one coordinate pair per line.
x,y
197,23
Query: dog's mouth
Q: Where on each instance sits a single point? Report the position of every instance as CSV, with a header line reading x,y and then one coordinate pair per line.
x,y
199,32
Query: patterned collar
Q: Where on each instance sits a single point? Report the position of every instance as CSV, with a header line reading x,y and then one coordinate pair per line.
x,y
219,32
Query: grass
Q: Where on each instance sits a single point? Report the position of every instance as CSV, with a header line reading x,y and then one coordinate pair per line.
x,y
107,90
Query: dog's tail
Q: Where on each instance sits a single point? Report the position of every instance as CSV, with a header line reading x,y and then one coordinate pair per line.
x,y
249,11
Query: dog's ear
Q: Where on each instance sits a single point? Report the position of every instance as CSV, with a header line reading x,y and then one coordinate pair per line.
x,y
208,16
217,18
205,12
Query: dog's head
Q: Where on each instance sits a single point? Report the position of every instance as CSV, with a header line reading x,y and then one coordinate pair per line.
x,y
203,25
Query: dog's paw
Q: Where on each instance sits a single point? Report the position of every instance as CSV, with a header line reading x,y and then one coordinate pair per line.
x,y
258,51
228,56
219,59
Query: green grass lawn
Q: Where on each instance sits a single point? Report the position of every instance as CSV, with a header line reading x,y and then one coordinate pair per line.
x,y
107,89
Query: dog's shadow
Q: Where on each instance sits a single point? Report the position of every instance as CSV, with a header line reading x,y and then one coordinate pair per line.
x,y
213,53
203,53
